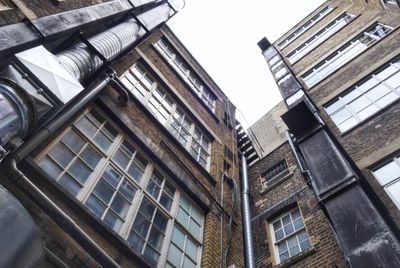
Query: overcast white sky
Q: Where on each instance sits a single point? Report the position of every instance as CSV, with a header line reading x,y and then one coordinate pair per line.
x,y
223,34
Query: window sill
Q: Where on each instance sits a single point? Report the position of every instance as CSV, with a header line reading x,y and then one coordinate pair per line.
x,y
295,259
275,183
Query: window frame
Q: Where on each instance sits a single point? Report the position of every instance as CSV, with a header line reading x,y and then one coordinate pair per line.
x,y
175,107
275,242
316,39
275,178
377,82
396,160
304,27
139,195
342,53
207,97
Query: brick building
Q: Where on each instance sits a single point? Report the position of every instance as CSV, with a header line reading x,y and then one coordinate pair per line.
x,y
325,192
115,140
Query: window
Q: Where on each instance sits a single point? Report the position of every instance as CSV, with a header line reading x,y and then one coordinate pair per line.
x,y
125,190
367,97
289,236
388,176
305,27
346,53
169,113
391,2
274,173
319,37
196,85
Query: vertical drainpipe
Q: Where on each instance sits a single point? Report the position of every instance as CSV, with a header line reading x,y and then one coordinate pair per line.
x,y
247,232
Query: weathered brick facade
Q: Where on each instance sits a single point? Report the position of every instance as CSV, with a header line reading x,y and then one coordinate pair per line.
x,y
367,145
140,125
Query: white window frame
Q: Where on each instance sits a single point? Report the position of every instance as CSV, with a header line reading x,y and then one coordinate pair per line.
x,y
322,35
140,193
307,25
175,107
345,54
196,85
287,237
386,184
367,90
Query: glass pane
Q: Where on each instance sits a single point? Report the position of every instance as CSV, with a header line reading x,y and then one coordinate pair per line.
x,y
286,220
305,245
378,92
110,131
194,229
394,192
155,238
112,176
95,205
175,256
136,241
86,126
178,238
102,141
387,173
351,95
279,234
387,72
166,201
288,229
302,236
113,221
95,117
50,167
70,184
160,221
368,84
341,116
188,263
73,141
277,225
284,256
120,205
197,215
135,172
141,225
121,158
389,98
182,217
367,112
292,241
359,104
349,123
61,154
298,223
90,156
147,208
151,255
184,203
282,247
104,191
394,81
294,250
191,249
80,171
153,189
127,189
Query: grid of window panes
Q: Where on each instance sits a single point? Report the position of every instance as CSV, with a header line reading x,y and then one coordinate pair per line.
x,y
319,37
388,176
349,51
278,170
366,98
183,251
178,64
305,27
123,189
168,112
290,235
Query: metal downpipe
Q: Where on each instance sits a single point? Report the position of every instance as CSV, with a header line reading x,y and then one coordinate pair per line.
x,y
247,232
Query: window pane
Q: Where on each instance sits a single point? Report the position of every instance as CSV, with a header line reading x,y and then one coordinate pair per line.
x,y
121,158
178,238
127,189
90,156
160,221
102,141
367,112
86,126
394,81
112,176
120,205
175,256
182,217
136,242
341,116
387,173
61,154
141,225
95,205
349,123
279,234
70,184
104,191
188,263
50,167
155,238
113,221
74,142
394,192
135,172
191,249
80,171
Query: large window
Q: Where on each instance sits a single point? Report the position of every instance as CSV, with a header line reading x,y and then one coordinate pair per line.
x,y
319,37
307,25
346,53
169,113
289,236
188,75
367,97
104,170
388,176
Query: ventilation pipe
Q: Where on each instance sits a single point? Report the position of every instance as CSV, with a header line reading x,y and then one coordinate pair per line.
x,y
37,83
248,241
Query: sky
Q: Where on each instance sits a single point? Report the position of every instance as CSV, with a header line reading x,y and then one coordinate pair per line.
x,y
223,34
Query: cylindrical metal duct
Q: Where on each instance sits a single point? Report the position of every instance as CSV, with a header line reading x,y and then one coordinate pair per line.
x,y
246,215
81,62
14,114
